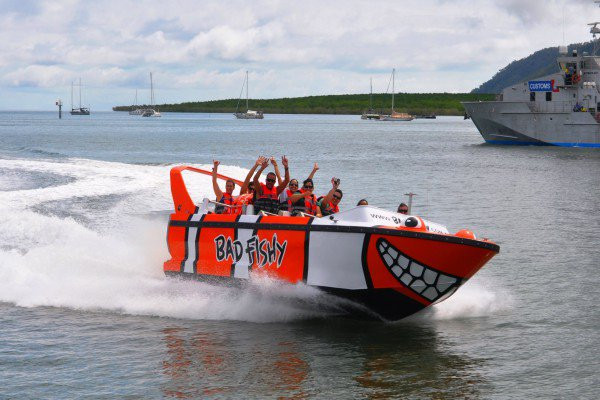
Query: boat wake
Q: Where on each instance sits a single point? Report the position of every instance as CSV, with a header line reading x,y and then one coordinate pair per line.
x,y
94,239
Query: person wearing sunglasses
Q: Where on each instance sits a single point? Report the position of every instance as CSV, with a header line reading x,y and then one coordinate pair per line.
x,y
267,194
293,188
304,201
285,195
403,208
329,204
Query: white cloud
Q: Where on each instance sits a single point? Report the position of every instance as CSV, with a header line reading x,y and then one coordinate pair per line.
x,y
201,50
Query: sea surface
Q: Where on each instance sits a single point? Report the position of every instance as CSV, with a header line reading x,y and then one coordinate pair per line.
x,y
85,311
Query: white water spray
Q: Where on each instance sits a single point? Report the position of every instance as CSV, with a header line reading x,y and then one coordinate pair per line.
x,y
108,255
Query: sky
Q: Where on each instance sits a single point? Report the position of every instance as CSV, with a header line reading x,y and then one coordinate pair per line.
x,y
199,50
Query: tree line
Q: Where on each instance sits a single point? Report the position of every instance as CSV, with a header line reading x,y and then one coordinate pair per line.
x,y
412,103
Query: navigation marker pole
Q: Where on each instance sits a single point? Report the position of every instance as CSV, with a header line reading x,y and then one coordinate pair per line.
x,y
59,104
410,196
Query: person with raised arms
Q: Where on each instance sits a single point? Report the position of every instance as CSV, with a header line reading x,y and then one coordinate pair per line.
x,y
223,197
329,204
267,194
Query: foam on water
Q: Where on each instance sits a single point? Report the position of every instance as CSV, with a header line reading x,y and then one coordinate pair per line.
x,y
114,261
116,264
475,298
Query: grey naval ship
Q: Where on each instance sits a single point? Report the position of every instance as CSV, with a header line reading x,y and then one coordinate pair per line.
x,y
560,109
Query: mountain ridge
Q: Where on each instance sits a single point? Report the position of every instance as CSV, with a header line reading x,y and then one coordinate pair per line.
x,y
537,64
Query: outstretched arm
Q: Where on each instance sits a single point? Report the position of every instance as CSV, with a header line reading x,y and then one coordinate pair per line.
x,y
327,199
283,185
244,187
264,164
274,162
216,188
314,171
297,196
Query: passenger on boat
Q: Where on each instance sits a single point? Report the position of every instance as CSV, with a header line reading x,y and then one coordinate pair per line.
x,y
293,188
285,195
403,208
304,201
267,194
247,194
223,198
362,202
329,204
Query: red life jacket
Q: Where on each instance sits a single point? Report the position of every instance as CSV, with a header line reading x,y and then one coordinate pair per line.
x,y
268,200
330,209
307,205
266,193
229,200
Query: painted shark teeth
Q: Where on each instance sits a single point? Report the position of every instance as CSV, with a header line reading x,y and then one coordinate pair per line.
x,y
423,280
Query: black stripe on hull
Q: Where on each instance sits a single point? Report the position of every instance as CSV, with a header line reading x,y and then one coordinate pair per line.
x,y
340,228
306,251
374,304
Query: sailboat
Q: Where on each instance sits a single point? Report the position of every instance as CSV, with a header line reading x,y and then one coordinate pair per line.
x,y
135,110
81,110
370,113
249,114
151,112
395,116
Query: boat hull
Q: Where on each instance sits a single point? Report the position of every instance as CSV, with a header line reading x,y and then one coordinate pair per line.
x,y
516,123
80,111
388,273
249,116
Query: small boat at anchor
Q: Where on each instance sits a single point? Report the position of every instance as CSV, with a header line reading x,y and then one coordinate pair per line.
x,y
370,113
390,264
151,112
80,110
395,116
249,114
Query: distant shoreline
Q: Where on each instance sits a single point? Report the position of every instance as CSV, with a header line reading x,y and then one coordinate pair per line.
x,y
412,103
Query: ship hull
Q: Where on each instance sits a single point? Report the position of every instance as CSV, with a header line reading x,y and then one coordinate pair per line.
x,y
249,116
80,111
385,273
518,123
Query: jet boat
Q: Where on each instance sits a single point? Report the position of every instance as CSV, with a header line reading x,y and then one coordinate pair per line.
x,y
391,264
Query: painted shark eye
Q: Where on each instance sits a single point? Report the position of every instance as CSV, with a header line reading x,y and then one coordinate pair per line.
x,y
411,222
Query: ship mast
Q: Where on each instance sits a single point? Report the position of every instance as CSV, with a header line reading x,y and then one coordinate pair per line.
x,y
393,88
80,93
247,83
151,91
371,96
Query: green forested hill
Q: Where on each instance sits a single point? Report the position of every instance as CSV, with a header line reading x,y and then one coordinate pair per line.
x,y
413,103
540,63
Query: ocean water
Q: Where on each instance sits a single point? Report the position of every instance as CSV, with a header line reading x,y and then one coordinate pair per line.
x,y
86,312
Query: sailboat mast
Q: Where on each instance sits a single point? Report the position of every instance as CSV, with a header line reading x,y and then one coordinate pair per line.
x,y
135,98
393,87
80,93
247,84
151,91
371,96
71,95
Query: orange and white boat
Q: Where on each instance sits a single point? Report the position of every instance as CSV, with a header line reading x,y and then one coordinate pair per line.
x,y
392,264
